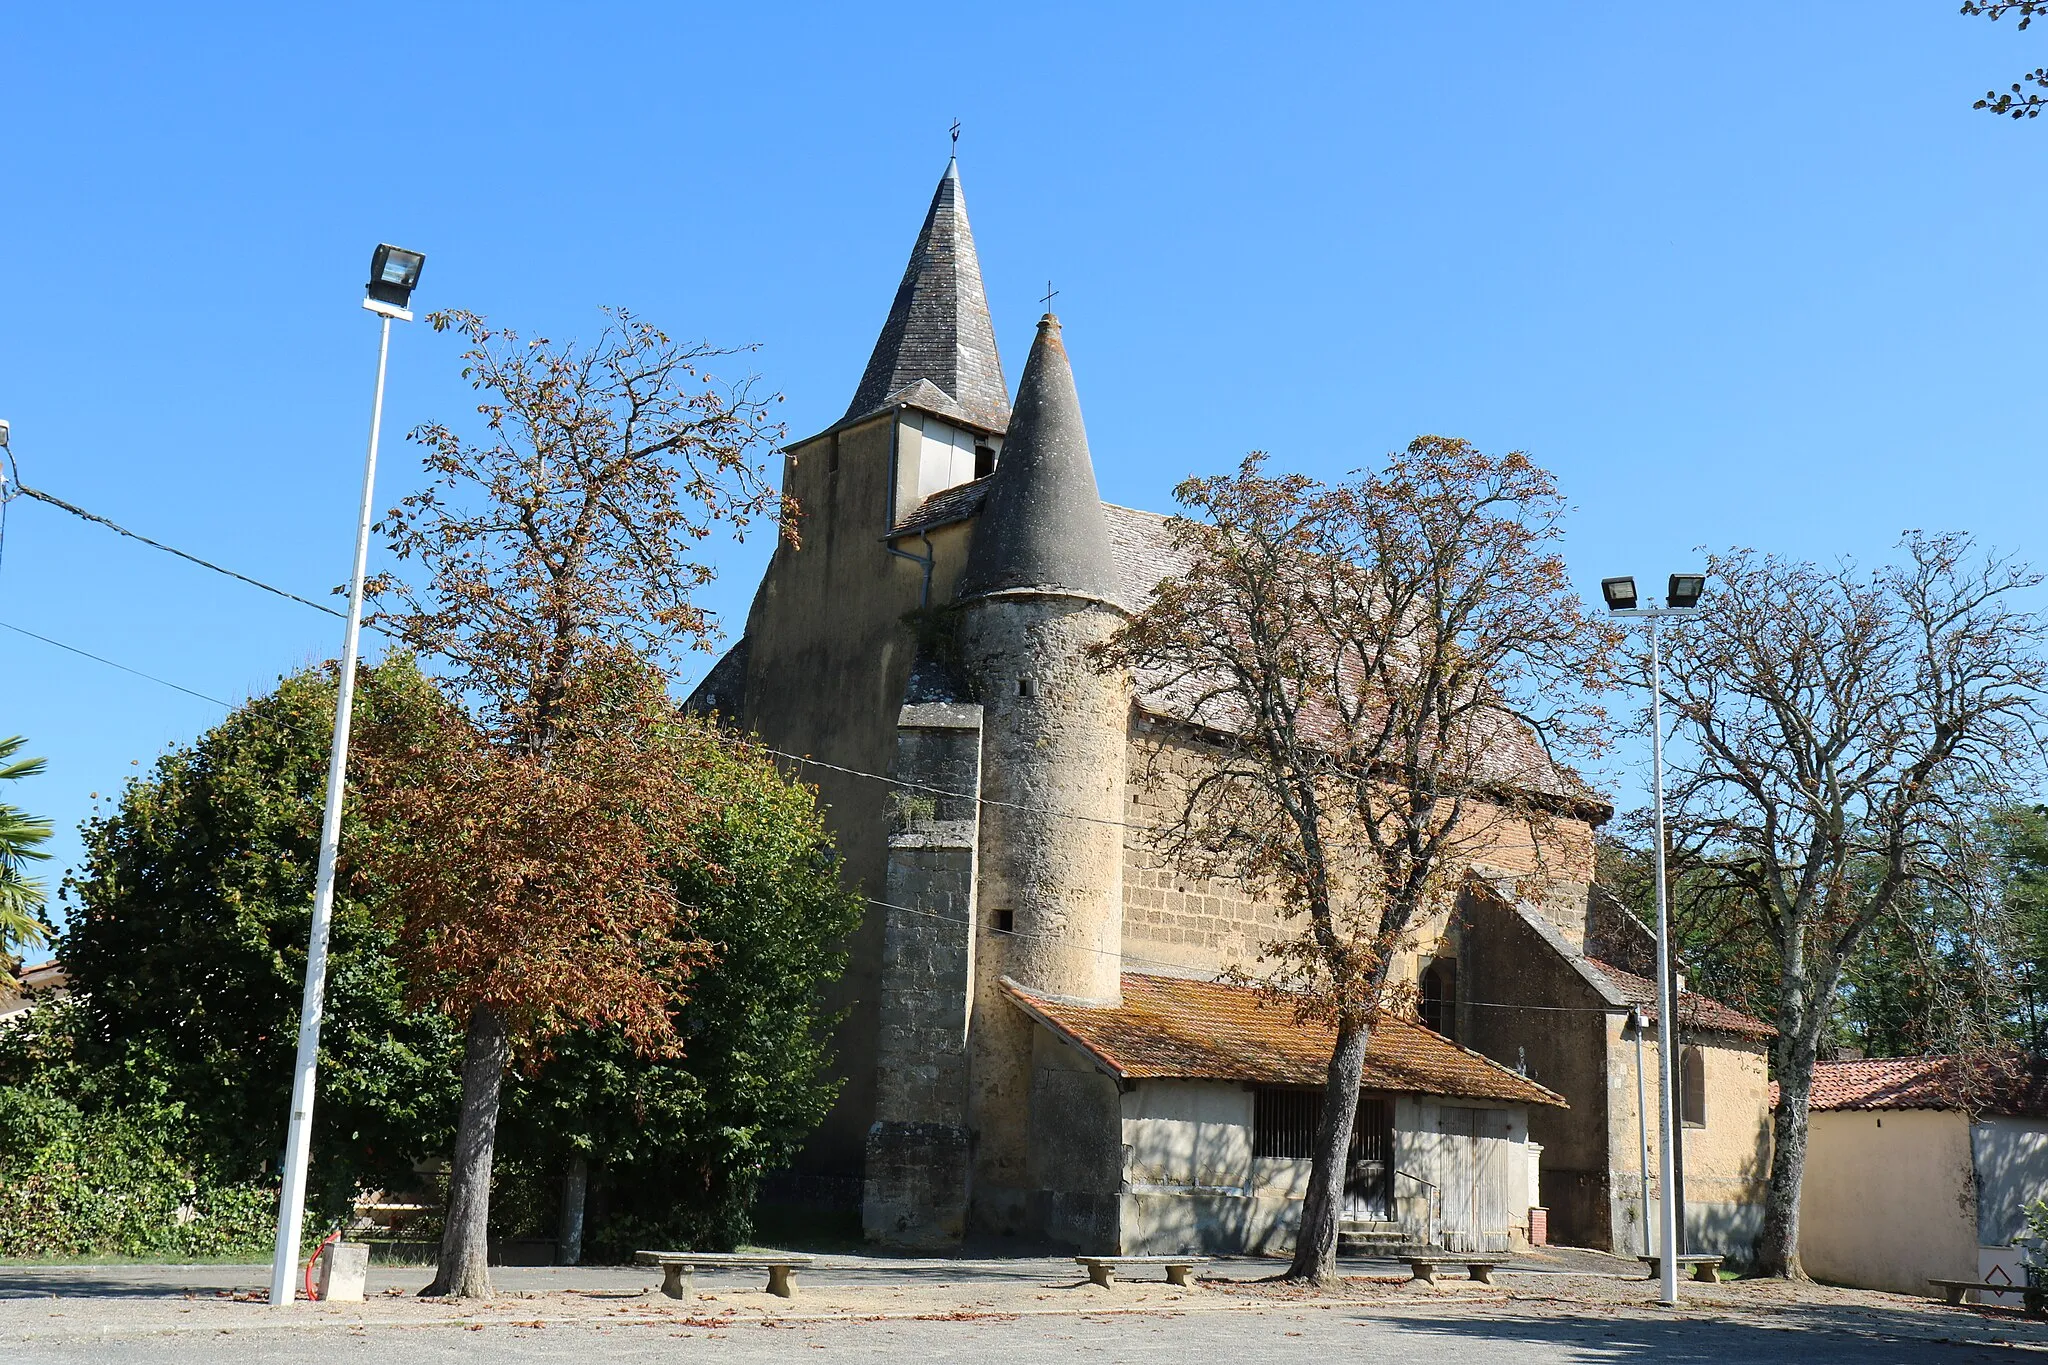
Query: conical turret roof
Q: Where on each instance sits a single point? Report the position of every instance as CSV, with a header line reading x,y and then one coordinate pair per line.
x,y
938,330
1041,526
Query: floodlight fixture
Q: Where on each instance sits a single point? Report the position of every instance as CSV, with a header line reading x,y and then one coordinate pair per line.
x,y
394,274
1684,589
1619,592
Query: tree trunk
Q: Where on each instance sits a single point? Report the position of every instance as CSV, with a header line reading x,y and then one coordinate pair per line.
x,y
1777,1250
1315,1246
569,1237
464,1271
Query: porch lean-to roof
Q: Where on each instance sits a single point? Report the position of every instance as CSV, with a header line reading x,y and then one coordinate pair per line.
x,y
1171,1028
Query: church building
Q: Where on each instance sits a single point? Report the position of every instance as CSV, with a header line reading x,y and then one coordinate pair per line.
x,y
1039,1037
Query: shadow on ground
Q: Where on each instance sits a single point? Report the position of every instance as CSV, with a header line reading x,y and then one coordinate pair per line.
x,y
1725,1335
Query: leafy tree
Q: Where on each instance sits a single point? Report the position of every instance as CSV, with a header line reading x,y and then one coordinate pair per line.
x,y
2017,102
187,940
1847,734
1373,660
560,559
21,896
681,1142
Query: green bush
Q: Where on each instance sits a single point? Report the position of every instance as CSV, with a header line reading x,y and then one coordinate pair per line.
x,y
77,1186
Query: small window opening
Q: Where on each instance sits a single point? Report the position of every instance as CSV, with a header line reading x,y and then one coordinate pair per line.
x,y
1692,1088
984,461
832,456
1438,1005
1006,921
1284,1121
1027,687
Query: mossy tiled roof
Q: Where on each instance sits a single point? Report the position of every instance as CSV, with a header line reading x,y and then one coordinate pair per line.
x,y
1172,1028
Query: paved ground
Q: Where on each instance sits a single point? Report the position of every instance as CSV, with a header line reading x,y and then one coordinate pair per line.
x,y
1573,1307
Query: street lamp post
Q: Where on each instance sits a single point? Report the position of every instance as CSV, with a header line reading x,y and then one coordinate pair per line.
x,y
1639,1025
1682,598
394,274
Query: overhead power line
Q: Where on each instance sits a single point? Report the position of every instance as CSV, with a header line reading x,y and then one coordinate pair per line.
x,y
23,490
86,653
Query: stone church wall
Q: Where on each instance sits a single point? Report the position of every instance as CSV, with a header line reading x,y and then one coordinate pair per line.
x,y
1175,923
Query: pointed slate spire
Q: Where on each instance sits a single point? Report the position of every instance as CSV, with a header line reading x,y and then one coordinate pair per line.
x,y
1041,526
938,329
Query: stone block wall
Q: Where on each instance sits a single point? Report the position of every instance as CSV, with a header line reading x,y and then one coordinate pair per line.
x,y
915,1188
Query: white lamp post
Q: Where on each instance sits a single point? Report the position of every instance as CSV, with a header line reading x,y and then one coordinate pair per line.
x,y
394,274
1682,598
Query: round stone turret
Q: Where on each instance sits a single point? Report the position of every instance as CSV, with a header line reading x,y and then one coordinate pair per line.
x,y
1038,590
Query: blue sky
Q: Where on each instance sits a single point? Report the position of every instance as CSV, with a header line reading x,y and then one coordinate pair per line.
x,y
1743,274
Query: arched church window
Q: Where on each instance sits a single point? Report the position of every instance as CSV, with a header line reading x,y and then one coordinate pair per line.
x,y
1439,1004
1692,1088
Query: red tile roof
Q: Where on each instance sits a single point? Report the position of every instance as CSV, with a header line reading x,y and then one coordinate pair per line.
x,y
2007,1084
1696,1013
1168,1027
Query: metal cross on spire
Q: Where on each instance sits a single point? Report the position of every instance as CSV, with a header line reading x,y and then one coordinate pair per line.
x,y
956,135
1050,294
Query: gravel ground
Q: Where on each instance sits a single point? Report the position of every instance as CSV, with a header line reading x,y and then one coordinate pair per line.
x,y
1560,1307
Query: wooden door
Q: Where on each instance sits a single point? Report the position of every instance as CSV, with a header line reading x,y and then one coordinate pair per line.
x,y
1477,1159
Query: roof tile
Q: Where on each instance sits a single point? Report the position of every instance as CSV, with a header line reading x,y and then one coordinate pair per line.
x,y
1169,1027
1695,1012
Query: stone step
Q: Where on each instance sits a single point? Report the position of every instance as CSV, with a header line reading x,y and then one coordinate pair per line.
x,y
1393,1244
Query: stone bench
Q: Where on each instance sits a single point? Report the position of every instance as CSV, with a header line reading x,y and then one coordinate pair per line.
x,y
678,1269
1480,1268
1102,1269
1705,1269
1954,1290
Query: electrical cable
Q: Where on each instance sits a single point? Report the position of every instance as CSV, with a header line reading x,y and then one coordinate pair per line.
x,y
24,491
1181,967
86,653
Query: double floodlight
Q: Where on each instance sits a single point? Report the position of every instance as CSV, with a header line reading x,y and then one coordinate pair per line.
x,y
1681,593
394,274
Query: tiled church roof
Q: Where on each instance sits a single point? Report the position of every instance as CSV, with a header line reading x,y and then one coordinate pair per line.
x,y
938,329
1168,1027
1145,555
1696,1013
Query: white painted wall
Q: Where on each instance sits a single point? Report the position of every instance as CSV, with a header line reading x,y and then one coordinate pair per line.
x,y
1889,1199
1188,1133
2011,1158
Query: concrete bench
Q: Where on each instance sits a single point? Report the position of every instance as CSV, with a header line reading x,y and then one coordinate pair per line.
x,y
678,1269
1102,1269
1705,1269
1480,1268
1954,1290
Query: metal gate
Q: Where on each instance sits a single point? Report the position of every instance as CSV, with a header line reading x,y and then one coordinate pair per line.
x,y
1369,1171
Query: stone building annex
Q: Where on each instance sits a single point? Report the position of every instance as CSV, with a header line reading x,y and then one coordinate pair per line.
x,y
1037,1041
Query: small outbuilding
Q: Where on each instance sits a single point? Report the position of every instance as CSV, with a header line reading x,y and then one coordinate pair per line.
x,y
1193,1107
1920,1168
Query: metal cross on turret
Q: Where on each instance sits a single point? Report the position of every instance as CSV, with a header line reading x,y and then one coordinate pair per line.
x,y
1050,294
